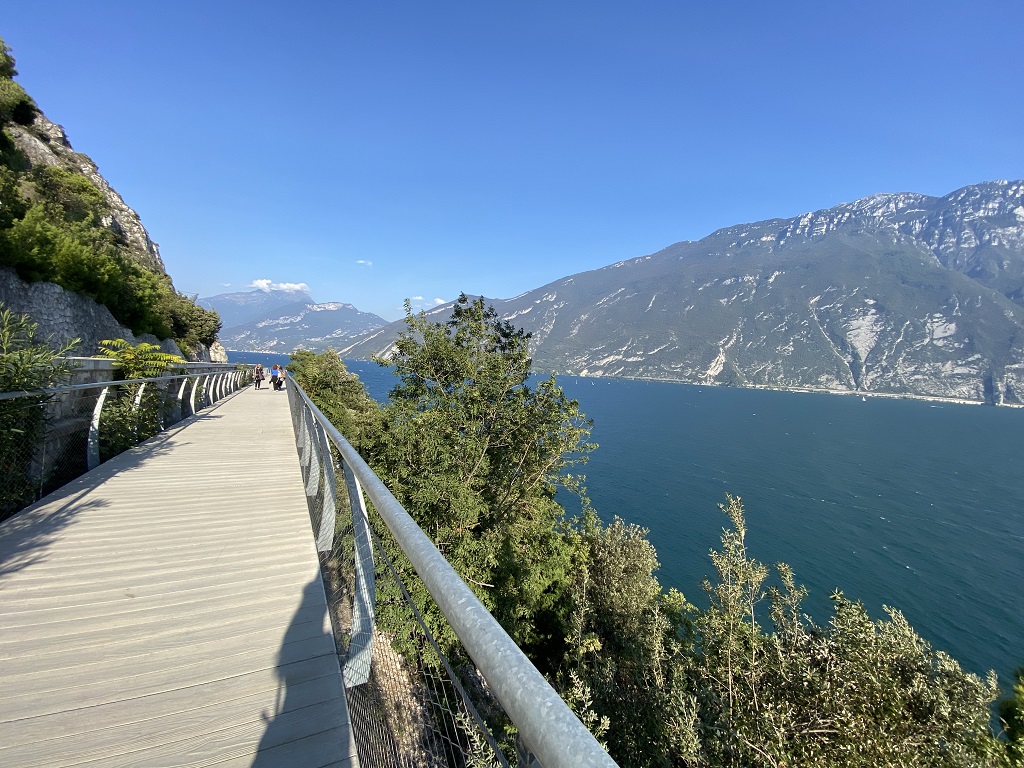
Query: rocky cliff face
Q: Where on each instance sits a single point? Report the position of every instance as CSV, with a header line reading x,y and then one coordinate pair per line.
x,y
61,314
46,143
897,294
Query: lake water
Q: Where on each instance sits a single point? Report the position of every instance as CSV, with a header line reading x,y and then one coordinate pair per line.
x,y
911,504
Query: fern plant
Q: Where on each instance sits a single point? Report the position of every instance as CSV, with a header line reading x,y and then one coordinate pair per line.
x,y
133,413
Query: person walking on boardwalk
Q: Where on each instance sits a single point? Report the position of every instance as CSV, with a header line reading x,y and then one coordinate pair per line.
x,y
275,374
257,374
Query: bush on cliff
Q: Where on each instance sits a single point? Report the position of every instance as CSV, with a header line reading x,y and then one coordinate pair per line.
x,y
54,227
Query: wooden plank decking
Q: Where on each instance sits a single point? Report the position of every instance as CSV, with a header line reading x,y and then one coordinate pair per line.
x,y
166,609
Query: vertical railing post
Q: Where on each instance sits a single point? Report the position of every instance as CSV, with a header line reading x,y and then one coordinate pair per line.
x,y
195,387
92,454
178,413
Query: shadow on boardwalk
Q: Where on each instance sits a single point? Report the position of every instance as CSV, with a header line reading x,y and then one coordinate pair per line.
x,y
26,535
297,705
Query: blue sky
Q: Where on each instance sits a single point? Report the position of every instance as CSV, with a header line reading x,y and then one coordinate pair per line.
x,y
378,151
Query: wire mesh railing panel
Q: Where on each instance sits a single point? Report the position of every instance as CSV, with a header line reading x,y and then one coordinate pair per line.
x,y
407,707
414,708
40,451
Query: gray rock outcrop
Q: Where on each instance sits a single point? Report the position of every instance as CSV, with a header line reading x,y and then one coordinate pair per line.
x,y
63,315
46,143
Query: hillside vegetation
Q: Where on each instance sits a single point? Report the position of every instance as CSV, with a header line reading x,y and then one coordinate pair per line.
x,y
57,225
475,452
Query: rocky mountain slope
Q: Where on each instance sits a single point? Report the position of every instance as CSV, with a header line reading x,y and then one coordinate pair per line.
x,y
284,320
45,143
62,225
896,293
243,307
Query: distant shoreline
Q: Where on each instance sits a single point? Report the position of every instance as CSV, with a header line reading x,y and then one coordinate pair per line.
x,y
811,390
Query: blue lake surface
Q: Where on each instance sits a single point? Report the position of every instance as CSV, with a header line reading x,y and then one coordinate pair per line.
x,y
911,504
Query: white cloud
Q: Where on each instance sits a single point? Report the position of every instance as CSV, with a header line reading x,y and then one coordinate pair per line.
x,y
421,302
364,262
265,285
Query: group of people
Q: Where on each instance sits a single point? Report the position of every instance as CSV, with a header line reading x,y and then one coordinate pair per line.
x,y
276,376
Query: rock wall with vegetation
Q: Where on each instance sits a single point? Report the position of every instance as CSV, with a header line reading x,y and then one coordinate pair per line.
x,y
62,223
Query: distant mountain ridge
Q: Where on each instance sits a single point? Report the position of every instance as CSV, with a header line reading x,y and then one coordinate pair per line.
x,y
901,294
279,320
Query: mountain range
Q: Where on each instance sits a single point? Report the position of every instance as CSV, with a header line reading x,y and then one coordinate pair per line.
x,y
280,320
900,294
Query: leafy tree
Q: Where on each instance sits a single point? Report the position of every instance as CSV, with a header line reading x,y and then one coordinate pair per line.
x,y
15,105
132,414
191,324
475,453
7,70
627,645
27,363
340,395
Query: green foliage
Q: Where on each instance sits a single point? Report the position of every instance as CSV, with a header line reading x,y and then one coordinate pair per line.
x,y
139,361
855,693
1011,712
68,196
52,228
12,205
15,105
475,454
191,324
132,412
7,70
627,645
340,395
474,450
27,363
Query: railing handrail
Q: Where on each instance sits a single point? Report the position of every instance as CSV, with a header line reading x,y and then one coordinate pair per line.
x,y
94,385
545,722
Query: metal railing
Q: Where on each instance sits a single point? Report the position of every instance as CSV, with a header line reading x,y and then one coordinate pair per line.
x,y
409,704
51,436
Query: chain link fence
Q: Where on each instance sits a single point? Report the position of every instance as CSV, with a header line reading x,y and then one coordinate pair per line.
x,y
431,679
50,437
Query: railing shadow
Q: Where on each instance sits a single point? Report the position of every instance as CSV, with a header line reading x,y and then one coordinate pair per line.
x,y
25,537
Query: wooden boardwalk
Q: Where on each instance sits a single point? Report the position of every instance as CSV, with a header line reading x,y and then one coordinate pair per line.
x,y
166,609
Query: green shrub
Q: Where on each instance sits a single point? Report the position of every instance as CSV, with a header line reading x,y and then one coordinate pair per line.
x,y
26,363
15,104
132,411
